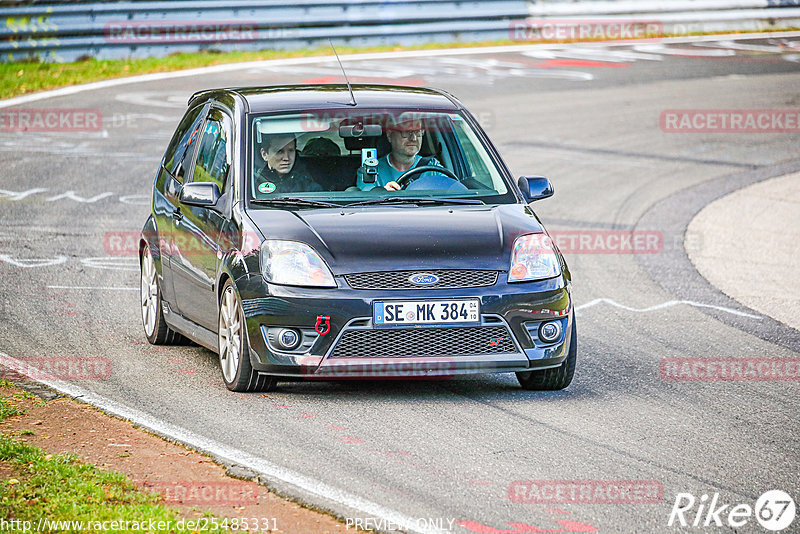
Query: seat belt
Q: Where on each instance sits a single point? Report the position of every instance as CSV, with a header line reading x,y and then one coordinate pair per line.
x,y
421,163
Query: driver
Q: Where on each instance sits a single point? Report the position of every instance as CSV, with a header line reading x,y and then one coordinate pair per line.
x,y
406,141
282,172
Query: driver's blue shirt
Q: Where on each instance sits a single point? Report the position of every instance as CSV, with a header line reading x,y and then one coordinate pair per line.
x,y
387,173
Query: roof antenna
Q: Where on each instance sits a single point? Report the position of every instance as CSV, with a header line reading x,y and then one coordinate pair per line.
x,y
352,97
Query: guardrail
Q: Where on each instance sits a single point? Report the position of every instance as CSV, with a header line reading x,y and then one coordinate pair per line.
x,y
678,17
69,31
66,30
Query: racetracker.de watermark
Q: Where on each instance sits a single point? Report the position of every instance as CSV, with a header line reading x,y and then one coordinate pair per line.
x,y
150,526
585,492
730,121
51,120
207,493
608,241
562,30
126,243
389,119
180,31
58,368
730,369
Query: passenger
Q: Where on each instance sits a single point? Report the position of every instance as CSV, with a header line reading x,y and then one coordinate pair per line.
x,y
279,173
406,141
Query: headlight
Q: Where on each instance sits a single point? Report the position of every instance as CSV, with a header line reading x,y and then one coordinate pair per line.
x,y
533,258
294,264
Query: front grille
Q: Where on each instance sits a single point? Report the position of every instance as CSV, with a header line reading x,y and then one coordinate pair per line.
x,y
412,342
448,279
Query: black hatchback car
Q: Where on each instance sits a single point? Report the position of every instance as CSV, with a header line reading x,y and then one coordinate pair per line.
x,y
321,233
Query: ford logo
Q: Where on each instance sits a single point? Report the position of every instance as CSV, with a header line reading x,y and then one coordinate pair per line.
x,y
423,279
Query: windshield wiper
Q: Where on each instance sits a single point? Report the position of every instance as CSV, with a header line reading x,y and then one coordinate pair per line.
x,y
415,200
292,201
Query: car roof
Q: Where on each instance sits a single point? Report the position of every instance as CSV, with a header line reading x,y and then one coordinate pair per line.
x,y
335,96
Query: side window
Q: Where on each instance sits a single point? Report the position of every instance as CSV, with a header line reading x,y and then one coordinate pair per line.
x,y
179,149
214,153
477,159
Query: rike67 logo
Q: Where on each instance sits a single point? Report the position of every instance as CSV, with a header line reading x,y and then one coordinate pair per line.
x,y
774,510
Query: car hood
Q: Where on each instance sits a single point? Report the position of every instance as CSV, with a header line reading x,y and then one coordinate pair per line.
x,y
379,238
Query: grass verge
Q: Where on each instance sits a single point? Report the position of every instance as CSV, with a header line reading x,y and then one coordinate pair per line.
x,y
73,496
22,78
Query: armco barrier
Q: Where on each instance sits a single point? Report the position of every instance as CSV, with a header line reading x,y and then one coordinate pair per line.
x,y
677,17
67,30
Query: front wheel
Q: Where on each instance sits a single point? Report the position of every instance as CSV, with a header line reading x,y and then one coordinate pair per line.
x,y
558,377
234,351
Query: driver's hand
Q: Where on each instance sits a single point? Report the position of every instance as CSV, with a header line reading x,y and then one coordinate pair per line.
x,y
392,186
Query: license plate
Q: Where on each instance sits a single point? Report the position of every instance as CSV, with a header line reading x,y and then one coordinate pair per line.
x,y
411,312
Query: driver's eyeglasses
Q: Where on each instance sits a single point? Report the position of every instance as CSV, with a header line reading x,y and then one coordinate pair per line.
x,y
406,134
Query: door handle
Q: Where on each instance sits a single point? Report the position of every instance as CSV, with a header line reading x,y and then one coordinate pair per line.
x,y
177,215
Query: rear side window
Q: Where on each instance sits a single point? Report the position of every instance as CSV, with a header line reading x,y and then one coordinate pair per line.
x,y
180,145
214,153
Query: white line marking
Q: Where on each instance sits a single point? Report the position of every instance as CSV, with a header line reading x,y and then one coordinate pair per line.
x,y
96,287
26,263
667,304
593,54
691,52
225,453
152,99
71,90
138,200
122,120
72,196
114,263
773,49
481,71
52,146
14,195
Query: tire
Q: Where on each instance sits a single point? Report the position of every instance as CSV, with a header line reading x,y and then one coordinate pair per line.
x,y
155,327
234,351
558,377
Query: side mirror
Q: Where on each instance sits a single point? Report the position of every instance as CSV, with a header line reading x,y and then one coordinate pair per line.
x,y
202,194
535,187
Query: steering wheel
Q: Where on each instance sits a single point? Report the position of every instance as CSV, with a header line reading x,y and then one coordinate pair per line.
x,y
405,179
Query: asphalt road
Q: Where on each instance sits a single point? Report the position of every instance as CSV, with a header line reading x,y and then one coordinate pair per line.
x,y
588,117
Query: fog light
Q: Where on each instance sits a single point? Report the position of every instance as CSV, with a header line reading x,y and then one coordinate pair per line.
x,y
288,338
550,332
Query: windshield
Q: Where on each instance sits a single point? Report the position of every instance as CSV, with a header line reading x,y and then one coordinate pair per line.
x,y
350,156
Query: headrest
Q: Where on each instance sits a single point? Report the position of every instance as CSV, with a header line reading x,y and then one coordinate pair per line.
x,y
320,146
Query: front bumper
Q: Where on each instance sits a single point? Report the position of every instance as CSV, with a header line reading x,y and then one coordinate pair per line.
x,y
504,341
